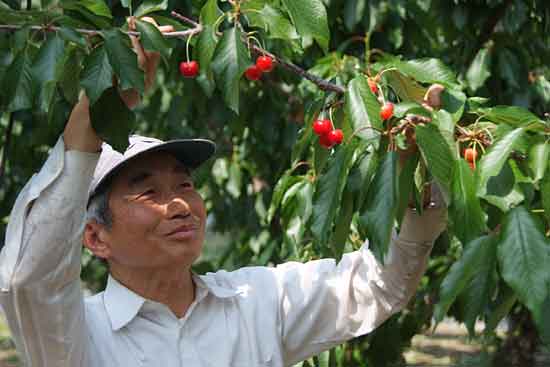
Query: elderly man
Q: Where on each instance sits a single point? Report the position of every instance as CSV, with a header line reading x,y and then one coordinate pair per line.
x,y
140,211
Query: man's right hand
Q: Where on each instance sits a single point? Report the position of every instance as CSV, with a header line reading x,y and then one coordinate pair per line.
x,y
79,133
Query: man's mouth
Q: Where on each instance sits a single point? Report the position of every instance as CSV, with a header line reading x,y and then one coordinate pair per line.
x,y
183,232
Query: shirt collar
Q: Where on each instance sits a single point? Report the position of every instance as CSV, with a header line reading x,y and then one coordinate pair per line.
x,y
122,304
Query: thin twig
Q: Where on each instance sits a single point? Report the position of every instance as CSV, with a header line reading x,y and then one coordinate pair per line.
x,y
321,83
91,32
7,141
185,19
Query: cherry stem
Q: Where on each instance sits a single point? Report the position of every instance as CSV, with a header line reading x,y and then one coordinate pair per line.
x,y
187,47
382,132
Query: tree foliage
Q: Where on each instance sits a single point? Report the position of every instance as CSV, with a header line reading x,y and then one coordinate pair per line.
x,y
272,190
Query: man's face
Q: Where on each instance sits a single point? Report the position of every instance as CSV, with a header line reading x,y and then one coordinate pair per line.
x,y
158,216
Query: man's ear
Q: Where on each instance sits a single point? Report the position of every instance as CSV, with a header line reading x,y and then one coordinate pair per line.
x,y
96,239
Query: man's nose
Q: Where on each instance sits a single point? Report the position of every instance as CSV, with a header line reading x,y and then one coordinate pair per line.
x,y
177,206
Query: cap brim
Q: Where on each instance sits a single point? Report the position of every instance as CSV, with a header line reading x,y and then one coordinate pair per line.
x,y
191,152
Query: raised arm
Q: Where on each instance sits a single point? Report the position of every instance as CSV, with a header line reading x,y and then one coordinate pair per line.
x,y
40,289
323,303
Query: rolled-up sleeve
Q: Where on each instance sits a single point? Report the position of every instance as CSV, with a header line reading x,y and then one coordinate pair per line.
x,y
40,289
324,303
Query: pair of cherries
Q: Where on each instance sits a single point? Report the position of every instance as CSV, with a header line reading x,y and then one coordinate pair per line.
x,y
264,64
328,136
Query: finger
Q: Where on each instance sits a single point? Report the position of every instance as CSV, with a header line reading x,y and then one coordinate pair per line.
x,y
131,23
150,20
166,28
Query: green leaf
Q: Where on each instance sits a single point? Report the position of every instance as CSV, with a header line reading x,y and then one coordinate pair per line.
x,y
361,175
353,13
150,6
112,120
523,257
492,161
342,224
97,7
453,101
152,39
282,185
69,82
126,3
71,35
542,321
424,70
539,155
270,19
381,207
465,211
509,67
406,184
328,192
206,46
97,74
17,84
405,87
310,19
123,60
363,110
47,70
437,155
545,193
512,115
503,191
506,300
477,254
210,13
444,121
230,61
479,70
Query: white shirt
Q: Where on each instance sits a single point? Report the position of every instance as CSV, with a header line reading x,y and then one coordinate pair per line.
x,y
255,316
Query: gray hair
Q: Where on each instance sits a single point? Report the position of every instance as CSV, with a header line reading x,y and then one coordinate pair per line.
x,y
99,210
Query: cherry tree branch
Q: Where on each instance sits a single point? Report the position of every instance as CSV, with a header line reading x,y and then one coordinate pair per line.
x,y
322,84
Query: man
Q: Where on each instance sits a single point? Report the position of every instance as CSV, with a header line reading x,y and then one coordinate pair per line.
x,y
146,219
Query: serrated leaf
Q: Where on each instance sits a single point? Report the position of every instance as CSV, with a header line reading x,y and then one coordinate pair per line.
x,y
112,120
71,35
47,69
477,254
69,82
453,101
406,184
152,39
328,192
436,153
310,19
229,62
206,46
97,7
539,156
479,70
97,74
406,88
361,176
513,116
381,207
505,302
545,193
342,224
123,60
282,185
150,6
17,84
523,255
210,13
363,110
270,19
465,211
424,70
492,161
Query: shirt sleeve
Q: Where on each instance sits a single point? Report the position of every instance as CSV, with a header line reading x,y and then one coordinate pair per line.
x,y
322,303
40,289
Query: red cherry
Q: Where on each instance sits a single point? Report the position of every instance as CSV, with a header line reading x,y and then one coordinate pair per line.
x,y
325,142
253,73
387,111
189,69
470,154
372,85
264,63
322,127
335,136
